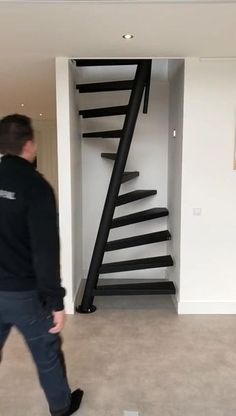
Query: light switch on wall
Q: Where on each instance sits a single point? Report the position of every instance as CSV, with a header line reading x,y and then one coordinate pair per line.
x,y
197,211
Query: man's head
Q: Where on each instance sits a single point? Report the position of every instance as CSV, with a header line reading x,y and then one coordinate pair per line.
x,y
17,137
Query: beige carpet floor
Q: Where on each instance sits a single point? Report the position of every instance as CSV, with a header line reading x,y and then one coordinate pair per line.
x,y
134,354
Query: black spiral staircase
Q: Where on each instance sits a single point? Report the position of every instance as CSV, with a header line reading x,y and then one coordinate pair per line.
x,y
138,86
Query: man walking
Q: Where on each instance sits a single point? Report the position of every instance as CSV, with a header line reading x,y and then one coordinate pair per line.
x,y
31,296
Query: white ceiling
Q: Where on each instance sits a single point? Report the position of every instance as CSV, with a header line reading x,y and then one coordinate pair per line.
x,y
33,33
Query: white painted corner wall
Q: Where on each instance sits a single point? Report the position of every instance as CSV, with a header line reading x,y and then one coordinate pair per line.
x,y
208,242
46,139
69,180
175,143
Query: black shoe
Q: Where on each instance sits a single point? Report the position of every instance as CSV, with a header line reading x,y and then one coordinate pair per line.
x,y
76,398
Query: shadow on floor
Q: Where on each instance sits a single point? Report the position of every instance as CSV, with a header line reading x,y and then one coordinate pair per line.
x,y
163,302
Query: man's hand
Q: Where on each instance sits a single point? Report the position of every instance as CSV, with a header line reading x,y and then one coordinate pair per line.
x,y
59,322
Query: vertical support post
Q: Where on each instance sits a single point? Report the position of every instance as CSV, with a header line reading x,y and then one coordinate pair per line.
x,y
147,89
114,186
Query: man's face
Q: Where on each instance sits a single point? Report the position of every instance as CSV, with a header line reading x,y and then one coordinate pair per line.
x,y
33,150
29,151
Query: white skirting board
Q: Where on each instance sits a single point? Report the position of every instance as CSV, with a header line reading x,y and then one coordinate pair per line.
x,y
69,307
185,307
205,308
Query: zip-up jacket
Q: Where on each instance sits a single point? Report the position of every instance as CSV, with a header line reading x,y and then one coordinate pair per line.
x,y
29,237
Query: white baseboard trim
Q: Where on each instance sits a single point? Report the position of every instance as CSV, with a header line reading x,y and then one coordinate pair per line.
x,y
206,308
69,307
71,304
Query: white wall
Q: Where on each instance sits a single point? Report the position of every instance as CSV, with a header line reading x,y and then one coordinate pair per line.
x,y
69,180
176,95
77,183
208,242
46,138
148,154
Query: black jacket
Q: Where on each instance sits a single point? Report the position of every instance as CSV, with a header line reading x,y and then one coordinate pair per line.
x,y
29,238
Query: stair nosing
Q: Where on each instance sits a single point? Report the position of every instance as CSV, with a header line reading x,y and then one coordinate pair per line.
x,y
134,240
96,87
94,112
110,156
103,134
159,287
128,176
106,62
147,193
128,217
136,264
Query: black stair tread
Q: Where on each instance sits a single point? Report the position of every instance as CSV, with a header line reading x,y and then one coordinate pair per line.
x,y
138,240
106,62
128,176
163,287
134,196
111,156
137,264
105,134
105,111
140,216
105,86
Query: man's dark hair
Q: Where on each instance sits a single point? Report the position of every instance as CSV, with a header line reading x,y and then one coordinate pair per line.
x,y
15,131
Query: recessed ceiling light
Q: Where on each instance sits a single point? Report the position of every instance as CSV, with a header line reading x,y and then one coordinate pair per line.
x,y
128,36
22,105
41,114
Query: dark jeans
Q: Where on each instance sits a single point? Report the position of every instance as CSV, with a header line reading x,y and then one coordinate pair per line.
x,y
24,311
